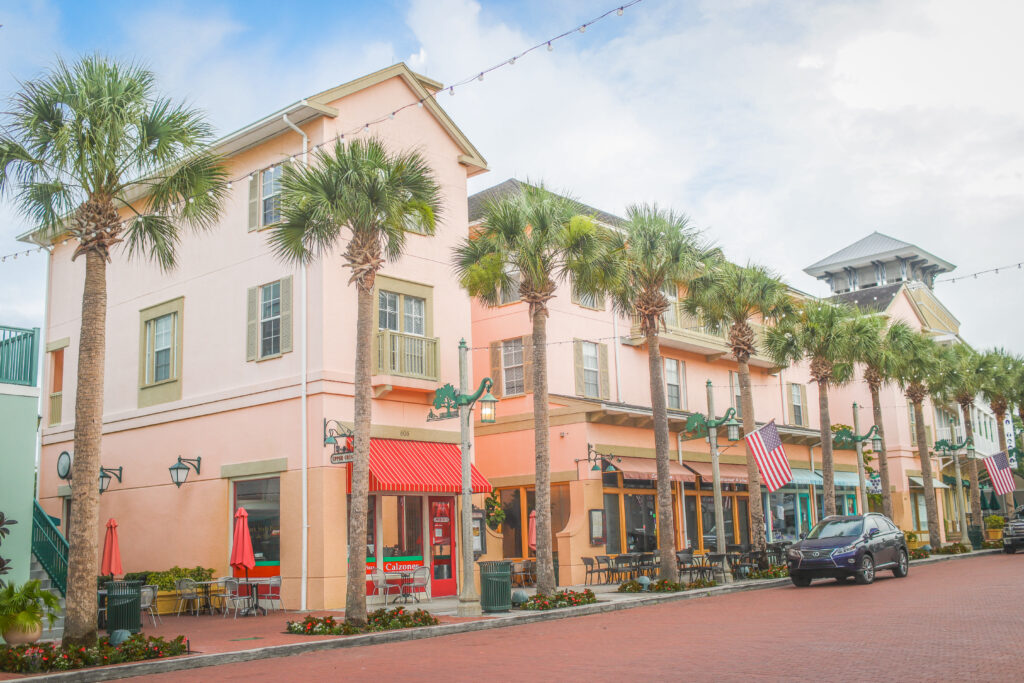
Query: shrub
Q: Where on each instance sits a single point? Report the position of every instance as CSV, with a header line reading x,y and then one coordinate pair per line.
x,y
665,586
995,522
165,579
776,571
910,536
379,620
701,583
918,553
631,586
953,549
43,657
563,598
992,545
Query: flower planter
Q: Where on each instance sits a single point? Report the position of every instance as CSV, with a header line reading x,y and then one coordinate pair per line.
x,y
15,636
994,534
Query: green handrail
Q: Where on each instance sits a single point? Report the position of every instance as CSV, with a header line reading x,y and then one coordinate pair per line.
x,y
50,547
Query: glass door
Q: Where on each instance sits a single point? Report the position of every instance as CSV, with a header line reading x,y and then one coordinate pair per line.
x,y
805,512
442,545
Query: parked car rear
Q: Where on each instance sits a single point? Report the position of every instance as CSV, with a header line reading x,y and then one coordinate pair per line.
x,y
839,547
1013,532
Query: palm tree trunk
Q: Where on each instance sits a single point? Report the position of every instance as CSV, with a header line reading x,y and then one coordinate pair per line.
x,y
827,464
666,513
883,455
541,444
972,470
934,537
83,541
355,595
754,502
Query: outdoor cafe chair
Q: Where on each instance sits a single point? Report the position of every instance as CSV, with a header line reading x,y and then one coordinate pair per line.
x,y
420,579
590,570
233,599
273,592
530,567
148,600
622,565
604,564
684,561
519,576
716,564
648,564
383,586
188,593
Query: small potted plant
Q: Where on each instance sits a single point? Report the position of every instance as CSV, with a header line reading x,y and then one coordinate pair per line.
x,y
22,610
495,513
994,527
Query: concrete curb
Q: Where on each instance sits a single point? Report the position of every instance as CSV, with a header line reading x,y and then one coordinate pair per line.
x,y
187,662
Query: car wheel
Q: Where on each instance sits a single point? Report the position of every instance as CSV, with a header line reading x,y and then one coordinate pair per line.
x,y
902,565
866,573
800,581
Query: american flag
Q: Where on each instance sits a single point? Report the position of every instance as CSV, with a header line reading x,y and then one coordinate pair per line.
x,y
999,472
767,448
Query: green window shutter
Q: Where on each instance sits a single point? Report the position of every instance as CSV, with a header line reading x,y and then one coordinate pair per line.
x,y
928,436
789,403
254,202
806,421
913,426
286,314
602,366
499,385
252,341
577,364
528,364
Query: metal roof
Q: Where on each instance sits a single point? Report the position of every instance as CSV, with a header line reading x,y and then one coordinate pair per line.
x,y
874,247
871,299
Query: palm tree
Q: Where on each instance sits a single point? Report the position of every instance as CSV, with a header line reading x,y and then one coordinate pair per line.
x,y
94,155
880,368
964,372
733,296
372,196
544,238
656,251
918,372
832,337
997,388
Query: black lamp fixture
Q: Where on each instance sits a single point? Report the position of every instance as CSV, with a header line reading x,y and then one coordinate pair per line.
x,y
599,459
179,470
108,473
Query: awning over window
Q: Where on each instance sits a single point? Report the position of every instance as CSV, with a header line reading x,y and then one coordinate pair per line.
x,y
647,468
806,478
727,472
919,483
846,480
419,466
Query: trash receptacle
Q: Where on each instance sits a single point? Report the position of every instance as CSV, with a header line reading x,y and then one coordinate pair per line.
x,y
976,537
554,563
124,606
496,586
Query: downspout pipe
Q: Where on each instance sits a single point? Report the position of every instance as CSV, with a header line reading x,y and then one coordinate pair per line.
x,y
303,389
615,348
43,375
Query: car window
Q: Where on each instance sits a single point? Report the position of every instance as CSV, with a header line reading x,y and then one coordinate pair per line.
x,y
837,528
871,523
889,525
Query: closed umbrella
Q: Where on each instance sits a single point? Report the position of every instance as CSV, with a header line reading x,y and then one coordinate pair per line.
x,y
241,552
531,534
111,551
993,503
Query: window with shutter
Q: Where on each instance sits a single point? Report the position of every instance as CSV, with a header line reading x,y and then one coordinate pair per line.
x,y
672,386
528,364
512,367
604,380
495,357
160,351
736,394
577,363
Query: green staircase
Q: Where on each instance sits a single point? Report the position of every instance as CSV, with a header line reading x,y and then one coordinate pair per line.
x,y
50,548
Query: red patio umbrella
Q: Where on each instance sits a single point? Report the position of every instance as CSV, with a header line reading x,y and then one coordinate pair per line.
x,y
241,543
531,533
111,551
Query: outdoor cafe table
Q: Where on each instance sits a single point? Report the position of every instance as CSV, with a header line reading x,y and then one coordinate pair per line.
x,y
401,578
254,593
206,587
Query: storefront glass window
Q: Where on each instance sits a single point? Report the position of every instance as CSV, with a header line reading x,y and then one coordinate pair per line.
x,y
641,523
261,498
512,528
744,519
371,529
402,527
691,522
612,522
782,507
920,513
707,518
730,530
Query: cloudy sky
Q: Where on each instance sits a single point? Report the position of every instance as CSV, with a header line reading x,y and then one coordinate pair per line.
x,y
787,128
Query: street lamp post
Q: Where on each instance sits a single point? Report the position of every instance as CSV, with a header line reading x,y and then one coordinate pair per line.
x,y
858,440
448,400
950,448
701,426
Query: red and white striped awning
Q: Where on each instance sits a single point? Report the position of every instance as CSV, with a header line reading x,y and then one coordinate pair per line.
x,y
419,466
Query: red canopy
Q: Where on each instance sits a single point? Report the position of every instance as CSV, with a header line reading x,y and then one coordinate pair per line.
x,y
403,465
111,551
241,543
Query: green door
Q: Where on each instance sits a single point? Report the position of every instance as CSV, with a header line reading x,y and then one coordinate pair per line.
x,y
805,512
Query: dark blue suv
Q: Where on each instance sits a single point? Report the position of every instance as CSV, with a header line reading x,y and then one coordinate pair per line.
x,y
854,545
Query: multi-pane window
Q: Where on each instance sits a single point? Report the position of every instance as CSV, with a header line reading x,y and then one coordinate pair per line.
x,y
588,300
387,311
672,315
415,315
591,372
673,384
160,348
270,319
510,294
737,394
270,195
512,367
796,396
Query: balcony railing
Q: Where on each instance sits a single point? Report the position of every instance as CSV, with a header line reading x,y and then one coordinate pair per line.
x,y
407,355
56,406
19,350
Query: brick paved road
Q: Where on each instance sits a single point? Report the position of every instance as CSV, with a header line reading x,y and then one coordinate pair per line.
x,y
958,620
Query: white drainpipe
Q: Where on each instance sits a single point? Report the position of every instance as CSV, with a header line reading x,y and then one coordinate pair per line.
x,y
615,348
303,392
42,374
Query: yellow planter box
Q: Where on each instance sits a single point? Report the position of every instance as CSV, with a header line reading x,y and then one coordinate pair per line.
x,y
994,534
167,602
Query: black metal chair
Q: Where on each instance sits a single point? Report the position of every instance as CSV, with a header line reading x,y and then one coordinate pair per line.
x,y
684,562
590,570
645,565
604,564
716,565
622,566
